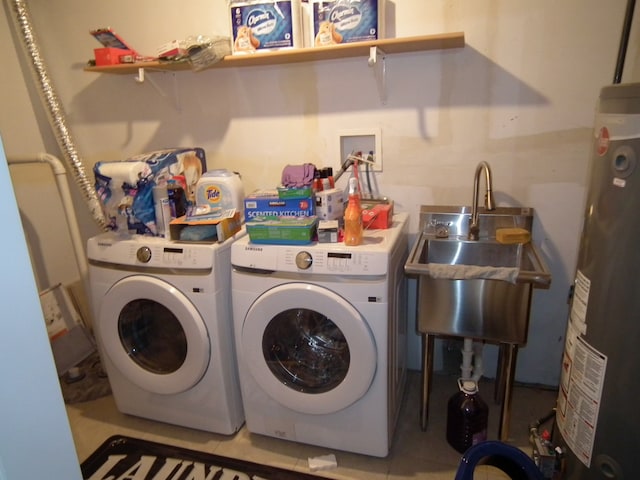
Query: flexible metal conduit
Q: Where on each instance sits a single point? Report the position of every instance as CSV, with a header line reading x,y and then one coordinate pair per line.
x,y
67,204
57,117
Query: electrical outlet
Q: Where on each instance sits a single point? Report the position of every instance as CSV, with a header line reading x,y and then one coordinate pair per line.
x,y
365,140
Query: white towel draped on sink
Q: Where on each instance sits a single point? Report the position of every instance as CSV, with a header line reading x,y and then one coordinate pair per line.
x,y
470,272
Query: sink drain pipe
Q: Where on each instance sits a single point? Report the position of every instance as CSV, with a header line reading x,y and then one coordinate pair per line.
x,y
471,367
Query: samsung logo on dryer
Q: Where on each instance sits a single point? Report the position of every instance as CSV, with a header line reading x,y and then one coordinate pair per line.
x,y
252,249
105,244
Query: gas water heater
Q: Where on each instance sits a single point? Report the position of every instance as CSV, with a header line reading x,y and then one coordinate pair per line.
x,y
598,408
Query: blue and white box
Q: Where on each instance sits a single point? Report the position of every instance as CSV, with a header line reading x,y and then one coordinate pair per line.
x,y
267,203
330,204
264,25
334,22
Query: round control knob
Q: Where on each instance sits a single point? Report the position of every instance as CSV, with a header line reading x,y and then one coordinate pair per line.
x,y
304,260
143,254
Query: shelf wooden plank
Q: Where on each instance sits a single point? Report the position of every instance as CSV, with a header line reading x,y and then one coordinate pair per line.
x,y
298,55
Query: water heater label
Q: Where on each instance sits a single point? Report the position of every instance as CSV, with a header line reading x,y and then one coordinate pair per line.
x,y
604,139
580,302
581,381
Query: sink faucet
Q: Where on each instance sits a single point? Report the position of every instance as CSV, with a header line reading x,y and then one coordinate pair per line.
x,y
474,226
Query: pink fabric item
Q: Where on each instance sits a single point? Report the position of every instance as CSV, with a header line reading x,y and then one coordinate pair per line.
x,y
298,175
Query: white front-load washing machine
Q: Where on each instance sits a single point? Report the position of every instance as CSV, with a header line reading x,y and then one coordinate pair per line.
x,y
321,333
164,329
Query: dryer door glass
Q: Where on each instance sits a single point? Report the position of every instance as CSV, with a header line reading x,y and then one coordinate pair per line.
x,y
308,348
306,351
152,336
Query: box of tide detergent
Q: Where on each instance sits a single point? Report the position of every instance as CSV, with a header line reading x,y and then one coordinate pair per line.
x,y
267,203
333,22
264,25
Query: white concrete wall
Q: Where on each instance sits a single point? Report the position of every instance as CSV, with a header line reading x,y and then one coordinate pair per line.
x,y
521,95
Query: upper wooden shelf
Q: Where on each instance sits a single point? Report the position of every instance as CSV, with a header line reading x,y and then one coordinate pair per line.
x,y
298,55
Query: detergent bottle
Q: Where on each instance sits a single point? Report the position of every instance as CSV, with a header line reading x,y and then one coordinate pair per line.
x,y
353,229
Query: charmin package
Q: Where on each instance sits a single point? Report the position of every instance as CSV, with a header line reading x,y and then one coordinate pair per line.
x,y
125,187
332,22
263,25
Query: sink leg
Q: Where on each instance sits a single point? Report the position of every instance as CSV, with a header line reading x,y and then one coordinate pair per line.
x,y
509,355
427,372
498,389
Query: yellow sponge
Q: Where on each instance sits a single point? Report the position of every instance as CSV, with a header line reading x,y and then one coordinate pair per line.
x,y
513,235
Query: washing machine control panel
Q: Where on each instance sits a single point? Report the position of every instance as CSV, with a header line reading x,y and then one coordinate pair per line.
x,y
370,258
340,261
316,259
150,252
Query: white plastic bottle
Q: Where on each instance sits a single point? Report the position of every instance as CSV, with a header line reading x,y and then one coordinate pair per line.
x,y
162,210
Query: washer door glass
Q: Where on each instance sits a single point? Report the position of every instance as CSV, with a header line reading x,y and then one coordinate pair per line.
x,y
308,348
153,335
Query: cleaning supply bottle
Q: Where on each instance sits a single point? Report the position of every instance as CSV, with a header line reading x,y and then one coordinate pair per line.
x,y
177,199
353,229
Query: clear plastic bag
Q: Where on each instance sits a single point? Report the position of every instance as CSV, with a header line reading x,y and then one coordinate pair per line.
x,y
204,51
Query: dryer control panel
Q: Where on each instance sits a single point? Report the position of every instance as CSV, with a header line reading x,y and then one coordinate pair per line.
x,y
370,258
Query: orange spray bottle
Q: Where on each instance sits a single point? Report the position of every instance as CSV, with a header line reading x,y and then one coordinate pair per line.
x,y
353,229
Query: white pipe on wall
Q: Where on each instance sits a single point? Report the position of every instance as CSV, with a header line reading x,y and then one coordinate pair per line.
x,y
60,175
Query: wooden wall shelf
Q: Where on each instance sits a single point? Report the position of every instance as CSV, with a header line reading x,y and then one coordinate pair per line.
x,y
298,55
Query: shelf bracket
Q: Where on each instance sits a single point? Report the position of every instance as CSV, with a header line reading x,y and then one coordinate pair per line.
x,y
141,77
377,61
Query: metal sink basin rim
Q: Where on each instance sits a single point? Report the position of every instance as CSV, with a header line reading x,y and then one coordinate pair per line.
x,y
489,259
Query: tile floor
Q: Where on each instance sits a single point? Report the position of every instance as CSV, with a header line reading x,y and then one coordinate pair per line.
x,y
415,454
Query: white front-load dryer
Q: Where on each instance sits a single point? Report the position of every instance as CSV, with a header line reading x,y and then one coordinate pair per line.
x,y
163,326
321,339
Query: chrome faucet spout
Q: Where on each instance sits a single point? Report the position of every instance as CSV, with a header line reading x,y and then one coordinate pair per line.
x,y
489,203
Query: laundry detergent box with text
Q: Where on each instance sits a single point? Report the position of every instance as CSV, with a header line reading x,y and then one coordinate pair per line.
x,y
267,203
264,25
333,22
283,230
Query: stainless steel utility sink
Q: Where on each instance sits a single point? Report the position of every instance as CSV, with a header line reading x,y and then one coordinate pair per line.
x,y
471,286
475,288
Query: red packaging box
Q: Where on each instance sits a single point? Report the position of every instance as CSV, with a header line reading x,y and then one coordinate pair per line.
x,y
377,215
109,56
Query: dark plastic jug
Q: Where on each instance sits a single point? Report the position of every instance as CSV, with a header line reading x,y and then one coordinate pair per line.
x,y
467,417
177,199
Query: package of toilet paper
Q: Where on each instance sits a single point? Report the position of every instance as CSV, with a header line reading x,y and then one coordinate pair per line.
x,y
333,22
264,25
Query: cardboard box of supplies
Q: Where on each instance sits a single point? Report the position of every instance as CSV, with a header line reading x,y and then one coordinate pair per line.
x,y
205,229
110,56
282,230
377,215
267,203
330,204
